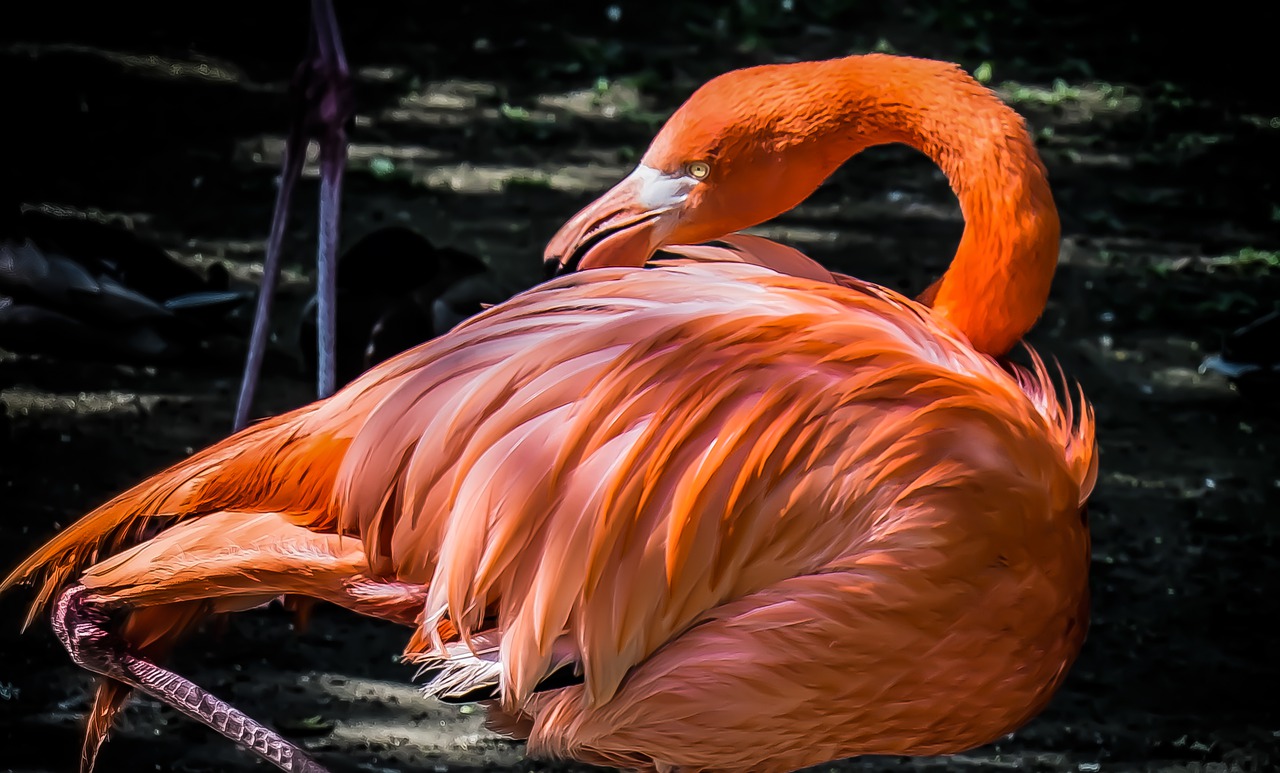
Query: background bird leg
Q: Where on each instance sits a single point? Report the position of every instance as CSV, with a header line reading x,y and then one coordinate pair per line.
x,y
333,157
322,106
335,109
295,151
81,625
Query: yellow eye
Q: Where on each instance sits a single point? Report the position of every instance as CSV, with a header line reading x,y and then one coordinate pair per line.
x,y
698,169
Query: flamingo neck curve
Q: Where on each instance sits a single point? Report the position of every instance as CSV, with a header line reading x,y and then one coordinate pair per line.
x,y
998,283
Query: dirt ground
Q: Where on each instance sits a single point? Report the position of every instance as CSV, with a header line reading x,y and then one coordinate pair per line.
x,y
487,129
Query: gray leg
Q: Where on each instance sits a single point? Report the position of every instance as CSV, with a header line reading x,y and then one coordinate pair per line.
x,y
333,157
333,110
295,152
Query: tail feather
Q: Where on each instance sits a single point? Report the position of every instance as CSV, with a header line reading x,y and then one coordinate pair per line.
x,y
256,470
107,702
1072,421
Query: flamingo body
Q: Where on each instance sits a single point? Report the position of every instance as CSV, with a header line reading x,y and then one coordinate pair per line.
x,y
647,486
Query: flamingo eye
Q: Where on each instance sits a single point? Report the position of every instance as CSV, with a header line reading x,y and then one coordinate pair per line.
x,y
698,169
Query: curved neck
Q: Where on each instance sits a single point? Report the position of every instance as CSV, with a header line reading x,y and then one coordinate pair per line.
x,y
998,283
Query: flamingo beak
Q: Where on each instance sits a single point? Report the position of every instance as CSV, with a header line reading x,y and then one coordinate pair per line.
x,y
624,227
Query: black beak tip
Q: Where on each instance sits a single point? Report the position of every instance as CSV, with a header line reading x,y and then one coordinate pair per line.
x,y
556,267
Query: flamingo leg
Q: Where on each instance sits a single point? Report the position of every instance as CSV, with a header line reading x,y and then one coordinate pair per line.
x,y
137,603
333,156
321,91
81,625
295,152
335,108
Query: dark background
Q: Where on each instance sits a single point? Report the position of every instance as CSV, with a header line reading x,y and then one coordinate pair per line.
x,y
486,125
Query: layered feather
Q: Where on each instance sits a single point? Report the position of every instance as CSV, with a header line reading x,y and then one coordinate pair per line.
x,y
597,464
584,476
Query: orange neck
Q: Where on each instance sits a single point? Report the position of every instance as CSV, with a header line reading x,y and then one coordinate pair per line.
x,y
998,283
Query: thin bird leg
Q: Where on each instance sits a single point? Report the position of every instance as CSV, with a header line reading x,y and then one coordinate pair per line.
x,y
295,152
221,562
333,111
81,626
322,106
333,157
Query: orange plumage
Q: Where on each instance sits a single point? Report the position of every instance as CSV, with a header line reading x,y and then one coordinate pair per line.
x,y
772,516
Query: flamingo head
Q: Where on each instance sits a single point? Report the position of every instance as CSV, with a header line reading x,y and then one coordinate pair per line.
x,y
746,147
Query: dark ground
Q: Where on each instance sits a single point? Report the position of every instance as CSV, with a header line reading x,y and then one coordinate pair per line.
x,y
487,129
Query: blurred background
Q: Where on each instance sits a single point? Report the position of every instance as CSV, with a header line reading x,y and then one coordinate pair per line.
x,y
483,126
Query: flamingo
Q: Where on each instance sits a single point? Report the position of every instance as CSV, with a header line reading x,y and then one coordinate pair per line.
x,y
702,516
